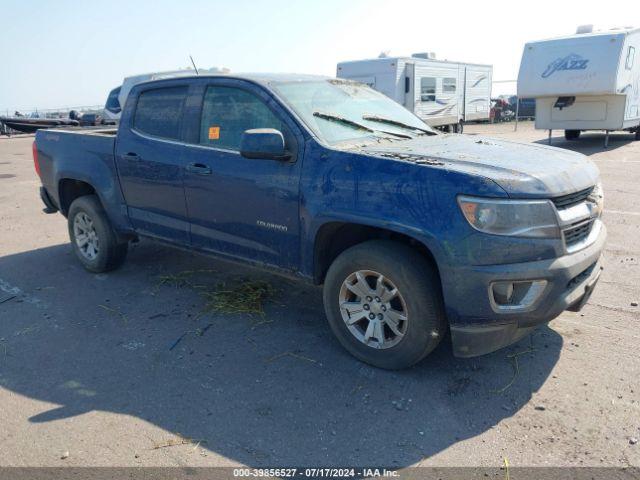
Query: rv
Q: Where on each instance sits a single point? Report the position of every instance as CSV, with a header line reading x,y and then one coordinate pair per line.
x,y
443,94
118,96
586,81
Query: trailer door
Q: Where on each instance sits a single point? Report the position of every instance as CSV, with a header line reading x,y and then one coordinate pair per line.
x,y
477,92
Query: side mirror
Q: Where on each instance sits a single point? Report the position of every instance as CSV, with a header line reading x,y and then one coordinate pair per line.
x,y
263,143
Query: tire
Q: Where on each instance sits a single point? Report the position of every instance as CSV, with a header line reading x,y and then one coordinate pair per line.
x,y
638,133
87,215
419,299
571,134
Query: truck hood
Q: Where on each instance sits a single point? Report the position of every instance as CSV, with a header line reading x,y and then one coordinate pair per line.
x,y
522,170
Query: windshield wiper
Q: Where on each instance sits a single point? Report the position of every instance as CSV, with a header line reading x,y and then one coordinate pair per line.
x,y
345,121
358,126
390,121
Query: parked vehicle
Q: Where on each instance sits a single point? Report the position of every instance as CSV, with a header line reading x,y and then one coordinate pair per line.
x,y
118,96
501,110
409,231
90,119
586,81
112,108
31,125
526,108
443,94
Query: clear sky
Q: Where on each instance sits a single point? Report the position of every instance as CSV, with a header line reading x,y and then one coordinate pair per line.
x,y
71,53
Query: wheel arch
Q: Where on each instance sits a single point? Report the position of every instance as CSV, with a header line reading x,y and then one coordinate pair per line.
x,y
334,237
69,189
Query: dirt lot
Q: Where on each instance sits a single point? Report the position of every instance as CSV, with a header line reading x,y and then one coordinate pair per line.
x,y
123,370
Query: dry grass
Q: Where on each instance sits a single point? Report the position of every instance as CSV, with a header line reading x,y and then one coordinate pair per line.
x,y
233,297
243,297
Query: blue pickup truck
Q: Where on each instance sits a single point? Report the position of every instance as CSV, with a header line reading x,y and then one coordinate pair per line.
x,y
412,233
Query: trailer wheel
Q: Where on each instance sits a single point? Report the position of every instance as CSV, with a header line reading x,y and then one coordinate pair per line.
x,y
94,241
384,304
572,134
638,133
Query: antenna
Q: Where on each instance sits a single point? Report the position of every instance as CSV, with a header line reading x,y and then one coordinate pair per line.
x,y
194,65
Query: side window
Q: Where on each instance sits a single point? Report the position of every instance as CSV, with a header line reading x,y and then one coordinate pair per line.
x,y
227,112
113,104
428,89
159,112
630,54
449,85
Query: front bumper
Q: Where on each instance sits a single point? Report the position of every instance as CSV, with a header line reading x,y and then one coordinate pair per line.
x,y
478,328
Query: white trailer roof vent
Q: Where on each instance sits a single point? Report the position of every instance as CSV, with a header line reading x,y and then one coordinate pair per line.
x,y
425,55
584,29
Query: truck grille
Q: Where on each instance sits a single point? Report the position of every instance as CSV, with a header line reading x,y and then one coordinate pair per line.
x,y
577,233
568,201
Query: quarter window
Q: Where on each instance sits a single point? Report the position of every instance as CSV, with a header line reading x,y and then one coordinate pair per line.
x,y
159,112
227,112
630,54
428,89
449,85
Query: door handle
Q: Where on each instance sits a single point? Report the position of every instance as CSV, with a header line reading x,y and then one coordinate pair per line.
x,y
199,168
131,156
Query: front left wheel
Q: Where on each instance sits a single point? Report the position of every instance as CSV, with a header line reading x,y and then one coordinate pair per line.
x,y
92,237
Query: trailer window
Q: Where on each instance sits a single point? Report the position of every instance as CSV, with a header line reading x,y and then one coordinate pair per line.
x,y
428,89
449,85
630,54
159,112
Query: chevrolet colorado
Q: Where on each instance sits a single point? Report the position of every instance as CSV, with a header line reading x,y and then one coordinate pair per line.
x,y
412,233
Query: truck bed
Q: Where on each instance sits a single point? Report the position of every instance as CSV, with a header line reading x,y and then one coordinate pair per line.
x,y
79,153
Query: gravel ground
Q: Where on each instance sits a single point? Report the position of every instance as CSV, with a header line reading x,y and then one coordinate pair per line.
x,y
121,369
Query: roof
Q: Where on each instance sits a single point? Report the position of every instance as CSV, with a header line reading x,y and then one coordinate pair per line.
x,y
416,59
596,33
260,78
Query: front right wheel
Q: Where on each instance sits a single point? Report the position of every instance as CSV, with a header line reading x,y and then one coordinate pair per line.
x,y
384,304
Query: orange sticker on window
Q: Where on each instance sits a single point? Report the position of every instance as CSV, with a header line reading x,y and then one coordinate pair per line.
x,y
214,133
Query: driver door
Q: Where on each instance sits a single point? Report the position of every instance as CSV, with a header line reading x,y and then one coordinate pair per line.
x,y
240,207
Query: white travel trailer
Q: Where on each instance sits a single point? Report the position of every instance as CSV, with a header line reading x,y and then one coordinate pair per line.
x,y
586,81
443,94
118,96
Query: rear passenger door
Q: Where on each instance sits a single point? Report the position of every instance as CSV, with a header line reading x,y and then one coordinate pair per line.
x,y
240,207
149,152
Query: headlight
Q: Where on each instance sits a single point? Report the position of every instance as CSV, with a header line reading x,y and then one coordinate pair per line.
x,y
597,198
518,218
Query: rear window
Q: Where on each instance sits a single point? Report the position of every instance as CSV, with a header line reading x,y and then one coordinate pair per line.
x,y
159,112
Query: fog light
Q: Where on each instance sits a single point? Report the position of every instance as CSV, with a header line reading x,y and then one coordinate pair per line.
x,y
502,292
516,295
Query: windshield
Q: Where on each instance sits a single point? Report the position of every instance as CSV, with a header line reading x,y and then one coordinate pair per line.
x,y
341,110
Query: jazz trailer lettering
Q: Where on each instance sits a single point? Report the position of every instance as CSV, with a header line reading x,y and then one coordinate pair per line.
x,y
570,62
